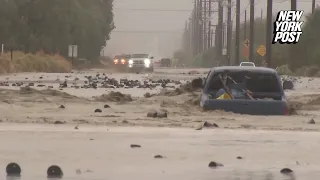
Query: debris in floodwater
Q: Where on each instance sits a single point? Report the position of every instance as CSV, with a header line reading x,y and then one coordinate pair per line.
x,y
97,111
158,157
312,121
135,146
214,164
286,171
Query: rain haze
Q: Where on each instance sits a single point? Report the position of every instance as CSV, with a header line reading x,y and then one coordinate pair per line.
x,y
156,27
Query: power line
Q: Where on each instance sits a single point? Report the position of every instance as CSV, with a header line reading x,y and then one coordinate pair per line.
x,y
155,10
278,2
148,32
246,8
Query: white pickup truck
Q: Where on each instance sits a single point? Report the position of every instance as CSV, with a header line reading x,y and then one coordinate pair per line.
x,y
247,64
139,62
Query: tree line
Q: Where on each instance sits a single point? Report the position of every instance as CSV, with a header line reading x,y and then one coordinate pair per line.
x,y
52,25
306,52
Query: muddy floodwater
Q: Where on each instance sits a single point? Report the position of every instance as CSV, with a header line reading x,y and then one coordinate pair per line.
x,y
46,126
105,152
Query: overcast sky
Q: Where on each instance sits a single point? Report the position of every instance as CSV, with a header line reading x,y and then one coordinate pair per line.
x,y
128,38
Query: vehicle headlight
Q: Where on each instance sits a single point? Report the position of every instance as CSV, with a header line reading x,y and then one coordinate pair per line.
x,y
130,61
147,61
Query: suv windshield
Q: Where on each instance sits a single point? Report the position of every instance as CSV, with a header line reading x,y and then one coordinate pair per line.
x,y
253,81
139,56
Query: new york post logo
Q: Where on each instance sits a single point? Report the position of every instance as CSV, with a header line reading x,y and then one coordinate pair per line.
x,y
287,27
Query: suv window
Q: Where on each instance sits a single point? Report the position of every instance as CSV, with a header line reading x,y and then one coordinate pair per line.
x,y
253,81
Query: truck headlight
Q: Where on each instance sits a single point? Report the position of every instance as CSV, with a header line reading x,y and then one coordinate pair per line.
x,y
147,61
130,61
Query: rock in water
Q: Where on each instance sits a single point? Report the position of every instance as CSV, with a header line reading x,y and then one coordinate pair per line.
x,y
158,157
98,111
288,84
152,114
54,171
162,114
13,169
214,164
135,146
58,122
312,121
286,171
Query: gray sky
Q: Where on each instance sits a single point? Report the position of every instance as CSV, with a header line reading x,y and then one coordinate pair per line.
x,y
126,39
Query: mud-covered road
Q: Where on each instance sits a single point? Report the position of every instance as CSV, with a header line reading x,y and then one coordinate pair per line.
x,y
41,104
101,153
53,125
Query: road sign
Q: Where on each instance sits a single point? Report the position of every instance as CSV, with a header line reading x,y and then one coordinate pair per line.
x,y
73,51
261,50
246,43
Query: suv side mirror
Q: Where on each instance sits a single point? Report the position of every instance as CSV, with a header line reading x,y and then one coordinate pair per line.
x,y
287,85
197,83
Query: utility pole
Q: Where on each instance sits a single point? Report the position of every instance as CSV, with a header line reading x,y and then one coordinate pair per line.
x,y
291,47
294,5
197,27
211,35
193,21
209,26
229,33
201,22
190,36
251,46
205,13
237,55
269,34
245,25
313,5
219,34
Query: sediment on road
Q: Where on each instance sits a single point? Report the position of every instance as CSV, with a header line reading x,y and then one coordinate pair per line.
x,y
115,99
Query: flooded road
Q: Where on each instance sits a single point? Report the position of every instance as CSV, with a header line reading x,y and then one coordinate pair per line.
x,y
247,146
102,152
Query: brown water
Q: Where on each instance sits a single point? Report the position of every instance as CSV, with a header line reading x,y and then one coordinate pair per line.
x,y
109,156
187,152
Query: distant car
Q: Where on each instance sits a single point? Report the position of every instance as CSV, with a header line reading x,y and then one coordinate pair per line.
x,y
156,63
165,62
247,64
140,62
121,61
